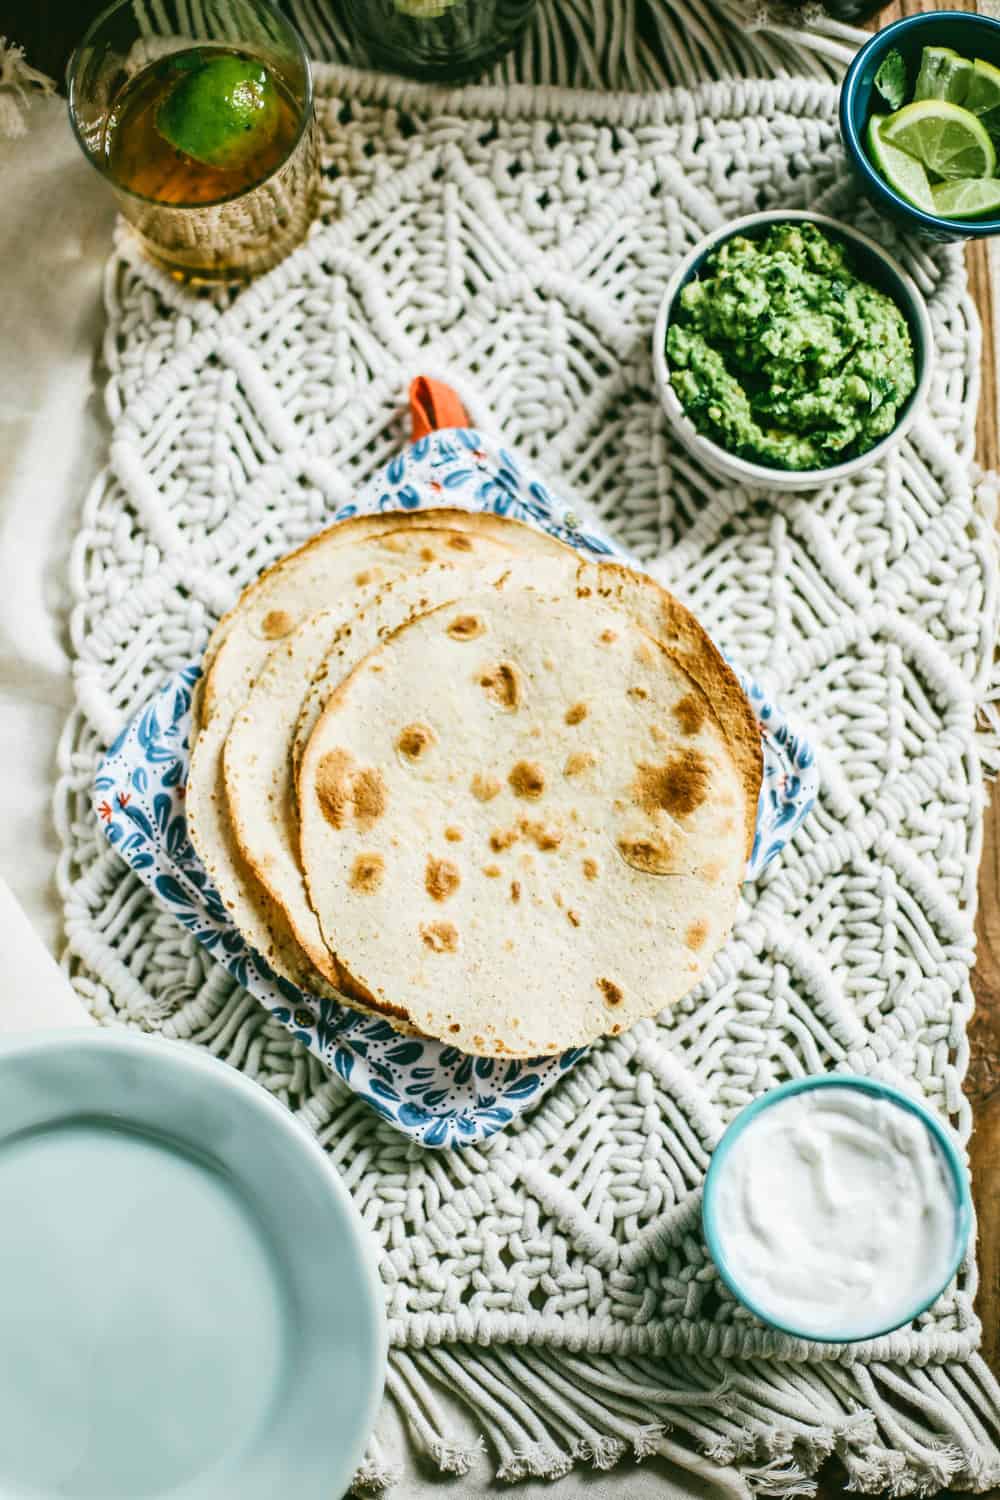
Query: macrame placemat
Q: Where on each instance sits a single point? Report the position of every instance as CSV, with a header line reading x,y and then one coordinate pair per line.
x,y
515,243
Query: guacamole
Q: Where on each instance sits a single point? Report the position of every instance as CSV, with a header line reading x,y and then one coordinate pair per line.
x,y
783,356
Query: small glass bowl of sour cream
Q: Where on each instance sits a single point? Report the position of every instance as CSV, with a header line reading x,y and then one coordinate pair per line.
x,y
836,1208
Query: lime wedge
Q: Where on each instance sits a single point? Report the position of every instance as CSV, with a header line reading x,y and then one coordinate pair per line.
x,y
222,113
983,96
943,75
902,172
949,140
983,93
892,80
967,197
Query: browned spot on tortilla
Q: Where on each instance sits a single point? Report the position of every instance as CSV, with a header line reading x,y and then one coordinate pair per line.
x,y
637,692
414,739
454,1026
650,853
391,543
580,760
453,835
690,713
612,994
361,579
643,653
576,714
583,592
276,623
590,869
502,684
466,628
484,788
515,890
527,780
696,934
368,791
460,543
367,872
491,871
502,838
542,836
557,898
574,918
677,787
477,1041
427,554
333,786
607,637
441,878
440,937
711,872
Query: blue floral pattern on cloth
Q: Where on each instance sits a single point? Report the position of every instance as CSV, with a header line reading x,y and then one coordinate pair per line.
x,y
434,1093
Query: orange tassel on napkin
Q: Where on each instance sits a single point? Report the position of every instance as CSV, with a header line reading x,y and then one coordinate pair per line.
x,y
433,405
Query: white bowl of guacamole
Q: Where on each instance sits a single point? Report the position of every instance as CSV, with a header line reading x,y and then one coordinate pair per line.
x,y
791,351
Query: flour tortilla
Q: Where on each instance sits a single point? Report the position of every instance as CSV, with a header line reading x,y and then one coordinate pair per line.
x,y
257,762
341,570
524,819
300,583
662,616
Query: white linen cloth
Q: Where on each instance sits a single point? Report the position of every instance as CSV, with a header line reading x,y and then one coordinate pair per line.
x,y
55,232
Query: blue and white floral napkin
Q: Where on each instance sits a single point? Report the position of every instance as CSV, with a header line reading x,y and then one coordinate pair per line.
x,y
434,1093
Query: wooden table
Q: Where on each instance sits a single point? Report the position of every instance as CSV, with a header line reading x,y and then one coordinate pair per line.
x,y
49,29
982,1085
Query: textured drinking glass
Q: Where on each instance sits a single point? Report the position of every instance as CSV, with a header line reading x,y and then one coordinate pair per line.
x,y
198,221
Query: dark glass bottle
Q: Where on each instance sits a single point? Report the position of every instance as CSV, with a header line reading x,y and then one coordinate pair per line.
x,y
853,12
446,40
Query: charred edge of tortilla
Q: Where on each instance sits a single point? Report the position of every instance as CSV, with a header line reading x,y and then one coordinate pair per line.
x,y
692,650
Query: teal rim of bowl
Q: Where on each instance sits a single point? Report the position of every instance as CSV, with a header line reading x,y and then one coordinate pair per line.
x,y
882,42
957,1170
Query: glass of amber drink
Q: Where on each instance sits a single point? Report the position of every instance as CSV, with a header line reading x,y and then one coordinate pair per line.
x,y
201,118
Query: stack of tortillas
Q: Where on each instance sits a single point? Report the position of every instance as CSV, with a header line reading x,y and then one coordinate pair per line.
x,y
451,773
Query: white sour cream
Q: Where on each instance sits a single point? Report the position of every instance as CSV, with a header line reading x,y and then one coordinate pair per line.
x,y
835,1213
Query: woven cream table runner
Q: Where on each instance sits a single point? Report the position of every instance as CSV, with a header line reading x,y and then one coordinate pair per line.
x,y
515,242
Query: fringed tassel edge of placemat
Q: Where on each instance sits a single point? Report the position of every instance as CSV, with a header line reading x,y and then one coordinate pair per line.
x,y
17,82
911,1431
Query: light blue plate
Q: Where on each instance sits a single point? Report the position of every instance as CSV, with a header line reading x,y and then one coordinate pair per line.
x,y
189,1300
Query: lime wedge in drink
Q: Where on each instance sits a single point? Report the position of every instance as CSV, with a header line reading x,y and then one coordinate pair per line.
x,y
949,140
983,95
222,113
967,197
902,172
943,75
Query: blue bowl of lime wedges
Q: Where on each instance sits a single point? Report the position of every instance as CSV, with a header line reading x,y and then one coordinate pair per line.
x,y
920,119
